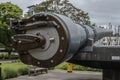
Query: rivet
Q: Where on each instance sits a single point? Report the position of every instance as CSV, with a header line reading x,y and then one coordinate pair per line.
x,y
38,62
19,41
33,19
51,61
62,38
61,50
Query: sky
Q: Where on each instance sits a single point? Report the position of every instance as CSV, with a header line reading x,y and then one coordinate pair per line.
x,y
101,12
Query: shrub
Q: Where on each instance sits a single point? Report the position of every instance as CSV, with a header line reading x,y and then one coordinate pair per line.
x,y
10,73
23,71
3,75
11,70
76,67
14,56
62,66
4,55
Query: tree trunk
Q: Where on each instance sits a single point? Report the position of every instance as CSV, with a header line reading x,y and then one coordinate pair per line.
x,y
9,54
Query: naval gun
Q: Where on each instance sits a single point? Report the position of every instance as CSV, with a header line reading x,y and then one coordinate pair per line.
x,y
48,39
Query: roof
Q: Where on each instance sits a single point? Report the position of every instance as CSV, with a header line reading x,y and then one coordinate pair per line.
x,y
31,6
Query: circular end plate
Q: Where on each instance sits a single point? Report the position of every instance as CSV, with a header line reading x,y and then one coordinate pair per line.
x,y
55,49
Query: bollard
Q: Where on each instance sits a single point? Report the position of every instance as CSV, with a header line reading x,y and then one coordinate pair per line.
x,y
69,68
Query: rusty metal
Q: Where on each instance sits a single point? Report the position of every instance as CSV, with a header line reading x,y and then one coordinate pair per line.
x,y
24,42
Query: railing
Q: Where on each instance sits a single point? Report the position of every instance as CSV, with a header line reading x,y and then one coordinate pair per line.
x,y
109,41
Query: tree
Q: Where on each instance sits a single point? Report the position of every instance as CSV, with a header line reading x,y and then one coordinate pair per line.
x,y
64,7
7,11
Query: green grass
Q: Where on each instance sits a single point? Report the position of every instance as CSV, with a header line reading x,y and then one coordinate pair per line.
x,y
76,67
10,70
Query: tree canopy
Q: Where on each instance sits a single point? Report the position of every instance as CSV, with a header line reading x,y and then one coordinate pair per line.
x,y
7,11
64,7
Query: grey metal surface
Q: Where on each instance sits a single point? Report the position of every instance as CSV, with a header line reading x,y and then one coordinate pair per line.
x,y
100,33
111,74
52,43
77,34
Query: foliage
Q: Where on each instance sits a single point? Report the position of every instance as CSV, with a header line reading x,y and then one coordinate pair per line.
x,y
1,45
4,55
75,67
23,71
10,70
10,73
5,38
62,66
3,75
7,11
64,7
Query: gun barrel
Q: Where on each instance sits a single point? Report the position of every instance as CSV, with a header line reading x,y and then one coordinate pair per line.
x,y
61,38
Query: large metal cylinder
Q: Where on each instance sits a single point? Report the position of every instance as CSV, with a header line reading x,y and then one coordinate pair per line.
x,y
47,39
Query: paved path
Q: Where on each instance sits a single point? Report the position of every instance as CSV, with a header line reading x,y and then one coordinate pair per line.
x,y
63,75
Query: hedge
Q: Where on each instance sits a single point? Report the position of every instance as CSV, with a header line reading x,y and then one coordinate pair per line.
x,y
4,55
11,70
76,67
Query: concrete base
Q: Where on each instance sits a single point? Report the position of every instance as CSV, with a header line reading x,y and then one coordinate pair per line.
x,y
111,74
